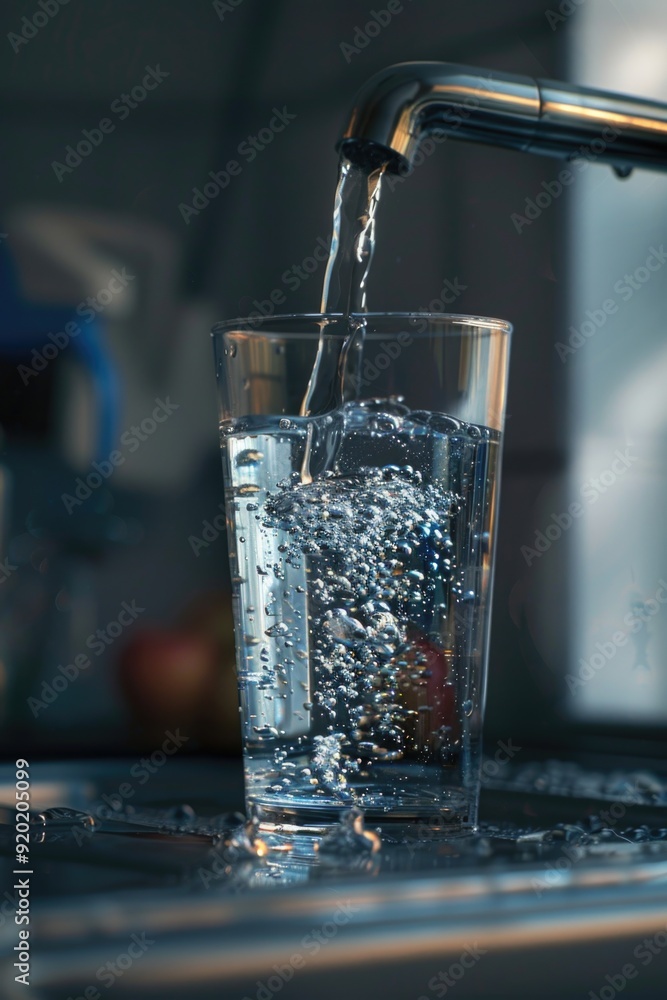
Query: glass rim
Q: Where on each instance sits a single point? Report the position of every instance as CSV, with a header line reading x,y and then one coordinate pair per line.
x,y
459,322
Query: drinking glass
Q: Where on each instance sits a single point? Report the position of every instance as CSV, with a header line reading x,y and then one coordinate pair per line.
x,y
361,540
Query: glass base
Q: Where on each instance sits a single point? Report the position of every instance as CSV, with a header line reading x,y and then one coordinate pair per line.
x,y
298,829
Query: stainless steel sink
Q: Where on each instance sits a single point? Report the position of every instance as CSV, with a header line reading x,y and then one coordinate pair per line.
x,y
530,907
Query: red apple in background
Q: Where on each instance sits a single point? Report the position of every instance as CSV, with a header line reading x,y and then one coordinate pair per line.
x,y
184,675
164,673
424,689
439,694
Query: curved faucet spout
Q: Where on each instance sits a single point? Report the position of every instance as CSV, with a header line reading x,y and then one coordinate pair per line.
x,y
399,106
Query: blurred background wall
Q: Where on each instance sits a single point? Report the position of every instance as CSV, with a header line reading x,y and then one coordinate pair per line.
x,y
120,248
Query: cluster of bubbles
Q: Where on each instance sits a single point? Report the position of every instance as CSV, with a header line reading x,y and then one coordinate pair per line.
x,y
380,556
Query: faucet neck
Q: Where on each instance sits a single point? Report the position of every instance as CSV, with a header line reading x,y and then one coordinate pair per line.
x,y
399,106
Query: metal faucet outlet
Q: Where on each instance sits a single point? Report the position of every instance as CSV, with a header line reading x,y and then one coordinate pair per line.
x,y
396,108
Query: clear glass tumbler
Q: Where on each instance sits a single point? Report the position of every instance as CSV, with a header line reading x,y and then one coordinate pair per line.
x,y
362,546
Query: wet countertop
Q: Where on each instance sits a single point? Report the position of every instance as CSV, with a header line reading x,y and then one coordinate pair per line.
x,y
160,890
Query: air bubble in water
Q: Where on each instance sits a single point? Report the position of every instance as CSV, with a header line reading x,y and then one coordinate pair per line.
x,y
249,456
279,629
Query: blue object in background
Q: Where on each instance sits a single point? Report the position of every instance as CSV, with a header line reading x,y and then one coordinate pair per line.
x,y
25,325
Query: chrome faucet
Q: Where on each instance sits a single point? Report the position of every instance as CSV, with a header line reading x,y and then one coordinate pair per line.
x,y
396,108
